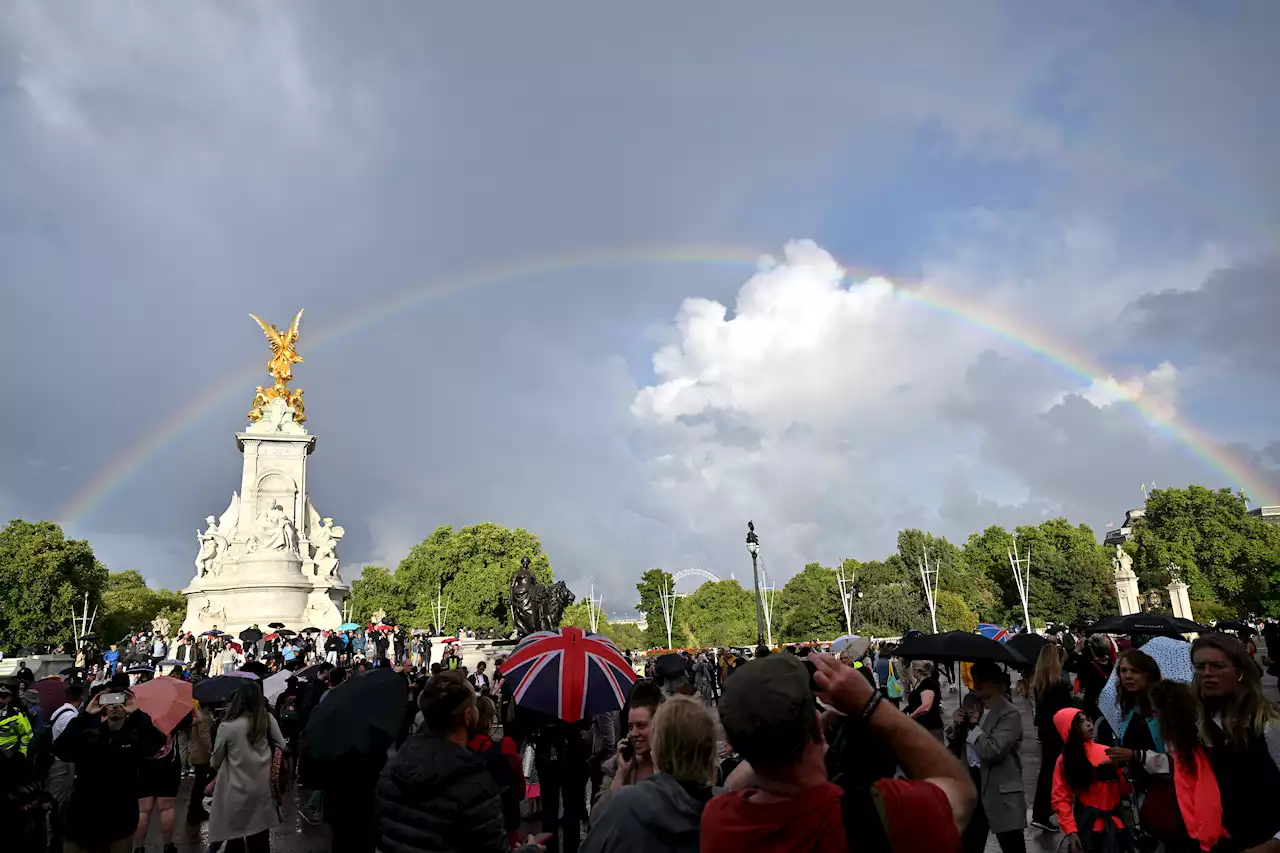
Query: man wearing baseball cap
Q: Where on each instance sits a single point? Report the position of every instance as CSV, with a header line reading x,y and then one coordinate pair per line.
x,y
781,800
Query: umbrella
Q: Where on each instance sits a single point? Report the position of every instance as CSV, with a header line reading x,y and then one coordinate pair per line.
x,y
53,693
275,624
216,690
70,671
256,667
250,635
276,684
348,626
1146,623
166,699
172,662
214,633
958,646
1027,645
285,632
568,674
1241,627
311,630
448,640
139,670
1171,655
236,646
421,632
384,627
853,644
242,673
993,632
272,636
359,717
89,637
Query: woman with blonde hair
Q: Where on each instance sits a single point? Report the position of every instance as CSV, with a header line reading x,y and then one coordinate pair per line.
x,y
1051,692
663,812
1241,728
924,703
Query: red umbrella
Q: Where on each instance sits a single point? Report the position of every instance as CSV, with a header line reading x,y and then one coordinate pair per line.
x,y
448,640
272,636
384,628
53,692
167,700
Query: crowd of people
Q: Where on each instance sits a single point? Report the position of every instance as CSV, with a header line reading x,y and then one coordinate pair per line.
x,y
790,750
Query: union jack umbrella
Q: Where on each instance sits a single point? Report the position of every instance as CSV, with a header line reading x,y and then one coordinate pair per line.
x,y
568,674
993,632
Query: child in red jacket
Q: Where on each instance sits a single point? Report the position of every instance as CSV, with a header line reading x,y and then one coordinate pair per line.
x,y
1087,787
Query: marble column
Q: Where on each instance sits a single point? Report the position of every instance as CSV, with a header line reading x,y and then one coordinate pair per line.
x,y
1179,601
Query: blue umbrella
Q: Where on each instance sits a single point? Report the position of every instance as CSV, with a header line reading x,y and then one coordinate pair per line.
x,y
568,674
348,626
993,632
1172,656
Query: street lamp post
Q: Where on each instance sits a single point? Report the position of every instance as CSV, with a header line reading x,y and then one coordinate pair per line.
x,y
857,598
753,546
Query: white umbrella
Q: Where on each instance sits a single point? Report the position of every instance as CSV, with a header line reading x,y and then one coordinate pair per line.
x,y
1172,656
853,644
275,685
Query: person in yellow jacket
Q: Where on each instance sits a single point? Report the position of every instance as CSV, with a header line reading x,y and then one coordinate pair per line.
x,y
15,727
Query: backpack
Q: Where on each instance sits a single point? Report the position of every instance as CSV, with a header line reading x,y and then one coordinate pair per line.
x,y
289,708
40,752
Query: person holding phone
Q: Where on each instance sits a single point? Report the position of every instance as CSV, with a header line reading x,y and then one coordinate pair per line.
x,y
106,743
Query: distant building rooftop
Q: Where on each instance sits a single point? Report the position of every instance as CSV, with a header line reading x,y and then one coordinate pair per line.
x,y
1269,514
1123,533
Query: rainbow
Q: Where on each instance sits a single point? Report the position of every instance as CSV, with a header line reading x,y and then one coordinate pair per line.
x,y
1236,471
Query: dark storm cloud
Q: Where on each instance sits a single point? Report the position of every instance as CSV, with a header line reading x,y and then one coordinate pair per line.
x,y
169,167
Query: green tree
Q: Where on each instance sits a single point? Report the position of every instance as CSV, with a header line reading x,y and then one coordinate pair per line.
x,y
955,574
809,607
953,613
578,615
475,566
43,579
716,614
626,636
652,582
129,605
377,589
1224,554
889,610
623,636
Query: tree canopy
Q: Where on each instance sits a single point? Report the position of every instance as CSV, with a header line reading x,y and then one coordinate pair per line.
x,y
43,580
652,582
470,568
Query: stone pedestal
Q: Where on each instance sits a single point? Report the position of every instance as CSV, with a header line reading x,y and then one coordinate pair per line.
x,y
270,557
1179,602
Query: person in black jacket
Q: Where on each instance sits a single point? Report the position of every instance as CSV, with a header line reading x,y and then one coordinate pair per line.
x,y
436,794
103,810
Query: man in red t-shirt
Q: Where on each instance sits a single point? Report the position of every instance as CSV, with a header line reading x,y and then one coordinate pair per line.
x,y
780,799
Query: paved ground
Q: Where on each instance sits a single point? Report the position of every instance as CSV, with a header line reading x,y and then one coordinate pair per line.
x,y
297,836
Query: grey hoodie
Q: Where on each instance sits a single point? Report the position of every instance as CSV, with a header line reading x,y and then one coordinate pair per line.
x,y
656,814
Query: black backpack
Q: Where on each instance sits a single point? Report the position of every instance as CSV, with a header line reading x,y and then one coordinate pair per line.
x,y
289,708
40,752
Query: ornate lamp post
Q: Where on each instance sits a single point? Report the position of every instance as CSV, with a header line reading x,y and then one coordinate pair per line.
x,y
753,547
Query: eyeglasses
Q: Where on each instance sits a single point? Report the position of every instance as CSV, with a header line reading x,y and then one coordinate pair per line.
x,y
1212,666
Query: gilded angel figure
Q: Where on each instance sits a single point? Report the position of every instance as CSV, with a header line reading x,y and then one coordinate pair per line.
x,y
283,354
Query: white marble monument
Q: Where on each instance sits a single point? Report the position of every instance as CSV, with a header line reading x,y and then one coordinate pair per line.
x,y
1126,583
270,556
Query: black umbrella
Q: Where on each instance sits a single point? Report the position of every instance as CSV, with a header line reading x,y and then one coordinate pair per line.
x,y
250,635
1237,626
275,624
216,690
311,631
1146,623
959,646
1027,645
285,632
257,667
139,670
359,717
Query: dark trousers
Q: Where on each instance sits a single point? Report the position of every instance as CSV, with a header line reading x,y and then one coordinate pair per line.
x,y
1050,749
563,783
195,805
974,839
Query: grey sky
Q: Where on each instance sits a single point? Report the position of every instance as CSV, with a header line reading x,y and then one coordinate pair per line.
x,y
1102,178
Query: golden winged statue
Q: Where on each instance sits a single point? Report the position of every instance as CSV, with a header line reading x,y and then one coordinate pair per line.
x,y
280,367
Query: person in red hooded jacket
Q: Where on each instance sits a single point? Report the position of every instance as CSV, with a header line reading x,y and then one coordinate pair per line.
x,y
1087,787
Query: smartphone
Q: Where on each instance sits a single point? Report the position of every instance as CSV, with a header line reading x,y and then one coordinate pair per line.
x,y
813,683
628,751
106,699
